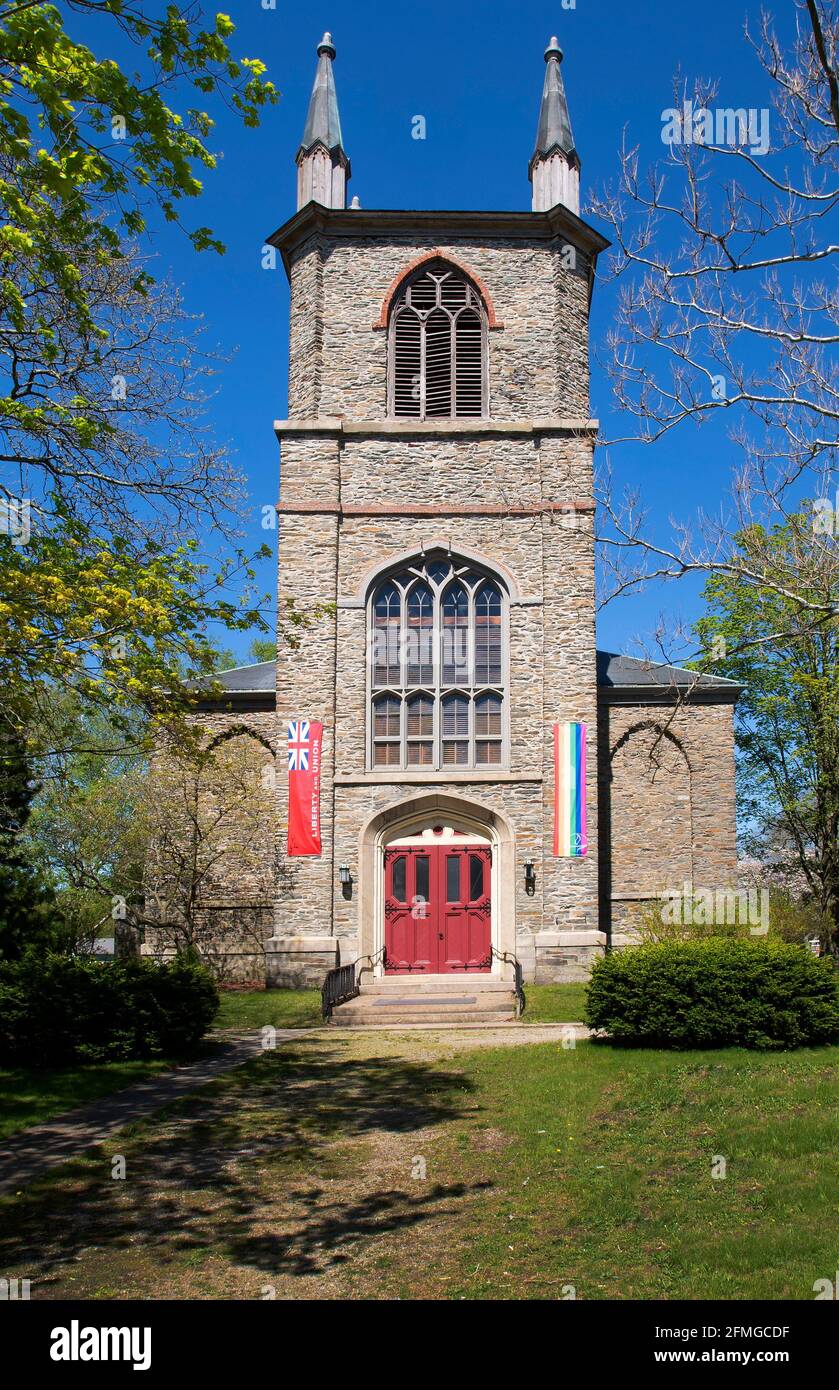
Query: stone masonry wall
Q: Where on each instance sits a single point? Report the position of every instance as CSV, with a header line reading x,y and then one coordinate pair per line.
x,y
538,359
668,777
350,501
358,493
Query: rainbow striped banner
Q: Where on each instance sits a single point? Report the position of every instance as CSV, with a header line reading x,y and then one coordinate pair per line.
x,y
570,820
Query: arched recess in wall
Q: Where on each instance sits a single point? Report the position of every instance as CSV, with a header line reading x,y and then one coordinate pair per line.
x,y
651,842
236,813
236,731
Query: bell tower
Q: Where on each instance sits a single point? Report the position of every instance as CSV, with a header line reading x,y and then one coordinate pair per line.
x,y
435,529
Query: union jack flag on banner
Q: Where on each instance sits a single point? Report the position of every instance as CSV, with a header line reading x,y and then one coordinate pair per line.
x,y
304,754
298,745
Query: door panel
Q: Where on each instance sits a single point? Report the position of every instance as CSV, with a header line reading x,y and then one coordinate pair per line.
x,y
465,942
437,909
411,942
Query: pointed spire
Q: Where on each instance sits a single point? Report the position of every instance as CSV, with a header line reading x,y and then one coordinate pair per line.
x,y
323,168
555,165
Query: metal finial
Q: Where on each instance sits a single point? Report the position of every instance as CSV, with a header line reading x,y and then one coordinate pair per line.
x,y
326,45
553,50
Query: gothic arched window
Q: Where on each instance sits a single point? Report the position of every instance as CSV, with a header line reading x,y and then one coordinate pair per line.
x,y
437,346
438,684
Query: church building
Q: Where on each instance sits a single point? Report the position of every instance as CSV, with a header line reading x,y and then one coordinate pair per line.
x,y
467,790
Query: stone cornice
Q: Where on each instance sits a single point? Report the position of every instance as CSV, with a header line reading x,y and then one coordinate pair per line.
x,y
431,778
418,509
446,226
338,425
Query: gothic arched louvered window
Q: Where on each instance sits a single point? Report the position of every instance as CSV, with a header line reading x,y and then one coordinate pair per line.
x,y
437,347
438,667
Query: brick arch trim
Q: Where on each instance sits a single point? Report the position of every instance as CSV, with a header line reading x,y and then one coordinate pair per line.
x,y
437,255
494,567
650,726
236,731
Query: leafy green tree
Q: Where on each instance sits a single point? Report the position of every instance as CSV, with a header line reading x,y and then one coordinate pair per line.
x,y
87,146
27,912
788,716
83,835
106,480
262,649
87,615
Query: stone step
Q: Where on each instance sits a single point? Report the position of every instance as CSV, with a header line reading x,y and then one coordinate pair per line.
x,y
452,1017
386,1004
382,1007
435,984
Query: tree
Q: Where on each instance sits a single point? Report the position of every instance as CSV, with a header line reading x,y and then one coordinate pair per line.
x,y
262,649
27,914
84,834
208,820
727,307
788,715
107,477
121,630
86,148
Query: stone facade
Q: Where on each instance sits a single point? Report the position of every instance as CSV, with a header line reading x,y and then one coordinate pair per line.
x,y
514,490
511,492
667,789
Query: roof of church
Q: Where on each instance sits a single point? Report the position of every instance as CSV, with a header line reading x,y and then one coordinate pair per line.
x,y
618,672
554,129
256,679
323,124
624,675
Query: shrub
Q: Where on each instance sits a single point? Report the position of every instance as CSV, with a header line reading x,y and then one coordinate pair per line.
x,y
798,919
653,926
717,993
57,1010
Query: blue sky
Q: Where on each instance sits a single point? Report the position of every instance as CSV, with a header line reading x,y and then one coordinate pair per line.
x,y
475,71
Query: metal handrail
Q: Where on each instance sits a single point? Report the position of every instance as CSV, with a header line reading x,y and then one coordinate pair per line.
x,y
518,974
339,985
343,982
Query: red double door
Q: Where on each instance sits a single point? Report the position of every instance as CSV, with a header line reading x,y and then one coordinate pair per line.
x,y
437,909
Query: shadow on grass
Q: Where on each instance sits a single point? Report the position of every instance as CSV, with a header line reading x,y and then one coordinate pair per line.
x,y
242,1170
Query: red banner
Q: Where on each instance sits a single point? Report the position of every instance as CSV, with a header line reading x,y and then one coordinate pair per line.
x,y
304,749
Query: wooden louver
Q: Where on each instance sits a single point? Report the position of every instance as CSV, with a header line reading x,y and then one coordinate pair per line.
x,y
438,348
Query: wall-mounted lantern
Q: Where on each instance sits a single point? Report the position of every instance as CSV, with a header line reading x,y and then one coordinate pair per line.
x,y
345,878
529,877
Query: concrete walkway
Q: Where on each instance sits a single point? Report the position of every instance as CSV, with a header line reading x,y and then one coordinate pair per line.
x,y
34,1151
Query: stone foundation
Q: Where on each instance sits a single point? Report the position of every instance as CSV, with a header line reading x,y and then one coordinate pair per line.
x,y
560,957
300,962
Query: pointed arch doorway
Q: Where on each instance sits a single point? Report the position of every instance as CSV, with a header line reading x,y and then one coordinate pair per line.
x,y
436,889
438,904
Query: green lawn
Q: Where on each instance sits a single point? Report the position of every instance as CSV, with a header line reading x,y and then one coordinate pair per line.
x,y
387,1166
300,1008
554,1003
27,1096
282,1008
